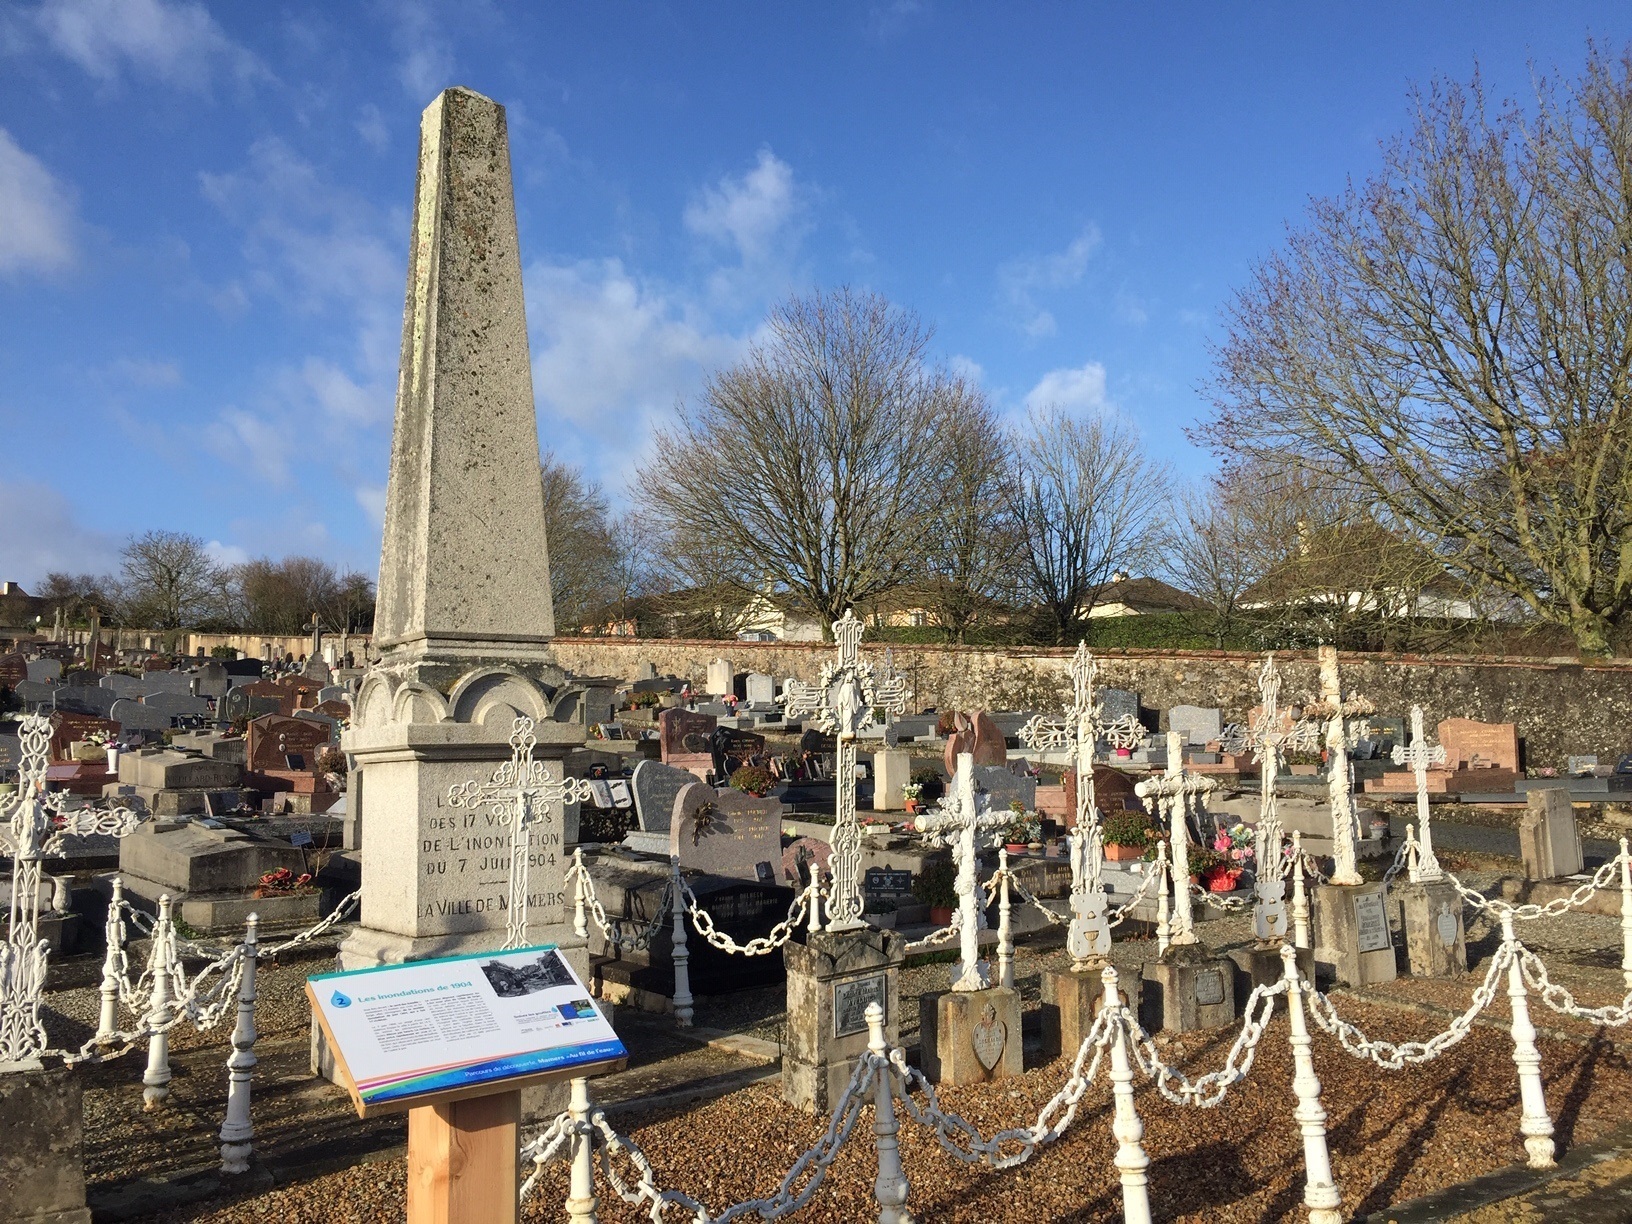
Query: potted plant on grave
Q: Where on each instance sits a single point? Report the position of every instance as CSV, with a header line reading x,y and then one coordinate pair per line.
x,y
911,797
1024,829
1203,861
753,780
1304,763
879,913
935,887
930,785
1126,834
1235,846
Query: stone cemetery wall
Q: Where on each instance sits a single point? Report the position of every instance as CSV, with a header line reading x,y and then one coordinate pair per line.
x,y
1562,707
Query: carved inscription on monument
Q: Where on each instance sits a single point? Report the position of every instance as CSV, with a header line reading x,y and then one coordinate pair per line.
x,y
465,856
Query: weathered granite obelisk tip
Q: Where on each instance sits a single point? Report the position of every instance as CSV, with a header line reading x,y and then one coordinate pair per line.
x,y
464,619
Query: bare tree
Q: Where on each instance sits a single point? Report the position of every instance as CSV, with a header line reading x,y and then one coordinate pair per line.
x,y
1083,499
578,531
77,594
1219,545
809,468
1452,343
969,557
170,580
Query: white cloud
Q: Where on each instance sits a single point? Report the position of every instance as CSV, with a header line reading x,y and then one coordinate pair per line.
x,y
146,373
604,346
172,41
426,66
372,500
371,127
226,554
1022,280
1075,390
43,536
749,212
252,441
36,213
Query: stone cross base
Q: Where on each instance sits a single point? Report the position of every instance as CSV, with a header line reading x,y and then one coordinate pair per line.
x,y
1071,1001
1435,943
831,979
970,1036
1353,942
42,1165
1187,989
1263,967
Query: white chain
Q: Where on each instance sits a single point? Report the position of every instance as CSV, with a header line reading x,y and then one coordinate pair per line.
x,y
1391,1056
1407,850
1152,878
340,912
1501,909
1561,1000
972,1148
1209,1090
780,933
544,1147
941,936
611,927
1228,904
1027,895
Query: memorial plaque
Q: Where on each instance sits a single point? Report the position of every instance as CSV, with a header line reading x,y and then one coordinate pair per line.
x,y
13,668
887,881
1209,988
275,740
1371,923
850,1000
1445,924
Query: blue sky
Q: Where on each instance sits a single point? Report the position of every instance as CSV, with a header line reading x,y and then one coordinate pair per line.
x,y
204,216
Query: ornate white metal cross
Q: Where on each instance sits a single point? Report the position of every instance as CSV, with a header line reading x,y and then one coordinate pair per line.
x,y
1270,735
1421,756
519,794
1335,707
1089,937
960,820
33,825
842,703
1175,793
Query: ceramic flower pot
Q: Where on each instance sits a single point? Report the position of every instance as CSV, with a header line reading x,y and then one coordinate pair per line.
x,y
1123,854
940,915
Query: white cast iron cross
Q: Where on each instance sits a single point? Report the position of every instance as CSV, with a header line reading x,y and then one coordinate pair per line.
x,y
1089,937
1175,793
1336,707
842,704
33,825
1421,756
959,822
519,794
1270,735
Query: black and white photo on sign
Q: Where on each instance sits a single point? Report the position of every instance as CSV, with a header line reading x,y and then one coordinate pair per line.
x,y
513,981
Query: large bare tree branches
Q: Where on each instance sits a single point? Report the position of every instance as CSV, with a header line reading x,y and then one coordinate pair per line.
x,y
1453,342
812,466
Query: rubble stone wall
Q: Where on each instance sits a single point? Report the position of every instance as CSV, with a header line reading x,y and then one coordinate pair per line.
x,y
1562,707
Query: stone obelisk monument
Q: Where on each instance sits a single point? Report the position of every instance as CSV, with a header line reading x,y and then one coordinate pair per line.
x,y
464,618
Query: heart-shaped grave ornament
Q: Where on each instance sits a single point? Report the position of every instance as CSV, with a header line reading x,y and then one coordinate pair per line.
x,y
989,1037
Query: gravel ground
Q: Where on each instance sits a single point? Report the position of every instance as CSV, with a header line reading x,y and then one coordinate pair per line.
x,y
1394,1135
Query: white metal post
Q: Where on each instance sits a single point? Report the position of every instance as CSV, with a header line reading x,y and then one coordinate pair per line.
x,y
1164,925
1005,929
114,932
1534,1124
1131,1159
1300,895
1626,914
238,1129
682,958
156,1079
815,893
891,1186
1320,1193
581,1200
580,919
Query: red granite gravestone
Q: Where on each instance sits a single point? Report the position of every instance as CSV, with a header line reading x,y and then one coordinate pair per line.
x,y
69,728
13,669
268,688
1112,788
155,663
683,738
273,739
1470,744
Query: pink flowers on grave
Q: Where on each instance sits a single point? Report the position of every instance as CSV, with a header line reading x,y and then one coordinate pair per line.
x,y
1235,843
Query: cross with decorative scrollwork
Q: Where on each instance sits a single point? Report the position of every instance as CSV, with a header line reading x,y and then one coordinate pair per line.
x,y
1422,756
519,794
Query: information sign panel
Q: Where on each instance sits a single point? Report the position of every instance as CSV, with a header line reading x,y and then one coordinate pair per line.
x,y
460,1026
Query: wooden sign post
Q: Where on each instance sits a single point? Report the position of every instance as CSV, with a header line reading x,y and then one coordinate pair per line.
x,y
454,1041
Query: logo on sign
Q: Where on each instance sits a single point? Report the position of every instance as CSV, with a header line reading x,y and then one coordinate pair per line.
x,y
340,1000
